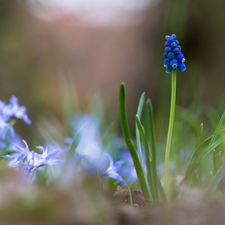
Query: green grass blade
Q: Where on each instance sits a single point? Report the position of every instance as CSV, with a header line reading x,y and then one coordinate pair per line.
x,y
161,192
213,140
198,150
152,135
74,144
216,180
126,133
187,117
109,134
138,139
208,150
218,128
199,135
131,200
147,156
214,162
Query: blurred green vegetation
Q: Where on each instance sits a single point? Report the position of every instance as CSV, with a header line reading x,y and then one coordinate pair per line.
x,y
29,67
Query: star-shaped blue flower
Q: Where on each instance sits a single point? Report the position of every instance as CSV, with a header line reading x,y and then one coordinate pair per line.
x,y
113,168
31,160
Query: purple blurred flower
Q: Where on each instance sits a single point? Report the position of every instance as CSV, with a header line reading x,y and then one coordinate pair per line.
x,y
90,144
113,168
13,109
129,170
31,160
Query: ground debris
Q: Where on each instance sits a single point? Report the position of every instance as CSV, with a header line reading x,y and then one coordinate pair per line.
x,y
122,196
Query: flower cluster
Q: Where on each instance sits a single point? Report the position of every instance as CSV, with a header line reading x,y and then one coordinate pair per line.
x,y
30,161
89,152
13,109
174,58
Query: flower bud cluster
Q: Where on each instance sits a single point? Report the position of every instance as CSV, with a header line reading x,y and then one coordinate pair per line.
x,y
174,58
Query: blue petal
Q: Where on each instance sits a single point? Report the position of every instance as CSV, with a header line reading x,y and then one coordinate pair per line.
x,y
110,158
180,58
13,100
182,67
170,38
167,44
166,62
176,50
117,166
68,140
168,49
174,44
174,63
170,55
165,54
52,155
169,69
41,148
26,119
117,177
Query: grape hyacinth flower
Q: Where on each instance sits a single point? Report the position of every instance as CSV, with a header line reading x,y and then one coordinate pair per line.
x,y
113,168
174,58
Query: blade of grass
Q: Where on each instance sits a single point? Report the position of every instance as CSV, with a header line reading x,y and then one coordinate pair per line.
x,y
126,133
72,150
148,157
131,200
161,192
197,151
206,152
138,139
214,162
109,134
152,135
216,180
213,140
199,135
218,128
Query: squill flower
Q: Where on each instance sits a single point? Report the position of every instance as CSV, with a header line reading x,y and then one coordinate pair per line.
x,y
113,168
31,160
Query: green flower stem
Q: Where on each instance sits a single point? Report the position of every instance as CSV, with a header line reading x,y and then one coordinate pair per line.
x,y
131,200
169,134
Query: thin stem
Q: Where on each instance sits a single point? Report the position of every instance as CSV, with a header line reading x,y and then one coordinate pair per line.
x,y
169,134
131,200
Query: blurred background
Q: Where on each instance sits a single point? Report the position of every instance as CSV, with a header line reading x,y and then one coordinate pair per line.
x,y
97,44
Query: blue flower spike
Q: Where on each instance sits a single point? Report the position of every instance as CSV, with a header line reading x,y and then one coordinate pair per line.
x,y
174,58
